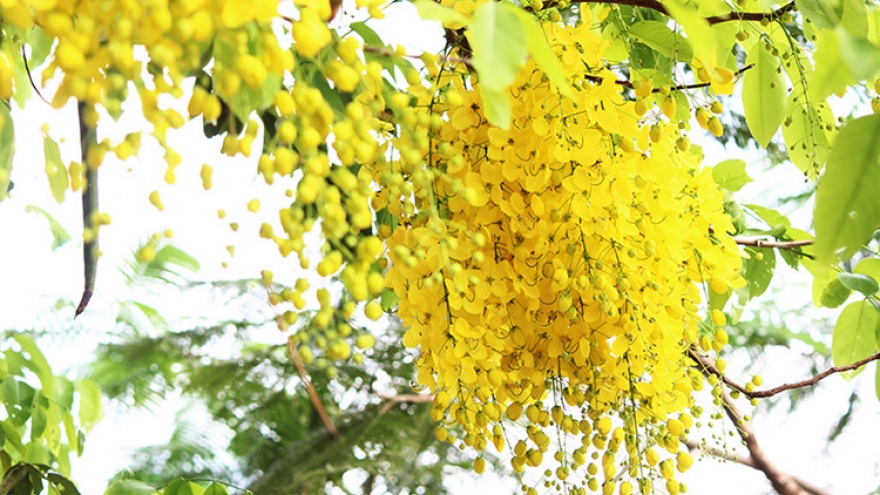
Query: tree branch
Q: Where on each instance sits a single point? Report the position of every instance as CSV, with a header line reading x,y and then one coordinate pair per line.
x,y
748,461
304,377
715,19
408,398
744,241
709,367
782,482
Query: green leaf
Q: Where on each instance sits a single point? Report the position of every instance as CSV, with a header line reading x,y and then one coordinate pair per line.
x,y
37,363
859,282
855,17
129,487
834,294
18,398
806,134
216,489
41,46
23,88
66,486
842,60
540,49
433,11
55,169
59,235
7,148
731,174
366,33
70,432
388,299
247,99
853,337
770,216
90,408
496,106
823,13
170,255
699,32
181,486
763,94
758,273
847,203
869,267
38,421
499,48
665,41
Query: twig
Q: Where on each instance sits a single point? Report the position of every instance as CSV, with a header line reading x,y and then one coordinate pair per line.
x,y
709,367
743,241
304,377
313,395
629,84
409,398
715,19
387,52
748,461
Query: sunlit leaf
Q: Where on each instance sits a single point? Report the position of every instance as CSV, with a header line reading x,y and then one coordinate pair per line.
x,y
90,408
56,172
847,203
433,11
499,47
660,37
835,294
842,60
731,174
7,148
759,272
496,105
537,44
853,337
59,234
699,32
823,13
763,94
129,487
859,283
869,267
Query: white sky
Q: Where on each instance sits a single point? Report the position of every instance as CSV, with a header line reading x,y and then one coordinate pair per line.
x,y
32,278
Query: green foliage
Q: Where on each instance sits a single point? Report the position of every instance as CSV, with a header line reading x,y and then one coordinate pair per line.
x,y
847,210
854,335
763,94
7,149
59,234
731,174
55,169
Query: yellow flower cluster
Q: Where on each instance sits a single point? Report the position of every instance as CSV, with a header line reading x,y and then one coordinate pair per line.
x,y
550,273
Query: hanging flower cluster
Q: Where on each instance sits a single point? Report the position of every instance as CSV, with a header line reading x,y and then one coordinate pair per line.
x,y
550,273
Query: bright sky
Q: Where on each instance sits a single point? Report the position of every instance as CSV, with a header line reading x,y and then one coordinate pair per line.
x,y
33,278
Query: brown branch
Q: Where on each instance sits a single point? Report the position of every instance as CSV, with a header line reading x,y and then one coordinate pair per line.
x,y
304,375
680,87
782,482
748,461
387,52
752,16
709,367
313,394
408,398
743,241
715,19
